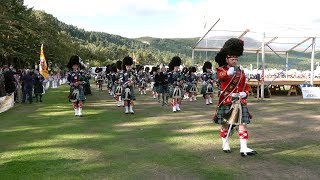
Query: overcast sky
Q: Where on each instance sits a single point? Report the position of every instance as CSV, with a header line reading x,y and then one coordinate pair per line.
x,y
183,18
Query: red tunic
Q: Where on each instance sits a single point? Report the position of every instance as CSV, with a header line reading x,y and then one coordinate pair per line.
x,y
225,80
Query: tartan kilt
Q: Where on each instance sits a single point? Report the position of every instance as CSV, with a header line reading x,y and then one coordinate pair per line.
x,y
191,88
158,88
177,92
118,90
204,89
218,118
142,85
154,88
171,88
100,81
132,95
82,97
184,87
163,89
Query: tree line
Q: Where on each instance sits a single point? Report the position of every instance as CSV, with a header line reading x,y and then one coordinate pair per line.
x,y
23,30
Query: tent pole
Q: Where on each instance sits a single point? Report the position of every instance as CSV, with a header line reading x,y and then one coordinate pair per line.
x,y
312,60
192,56
287,61
263,66
206,50
257,61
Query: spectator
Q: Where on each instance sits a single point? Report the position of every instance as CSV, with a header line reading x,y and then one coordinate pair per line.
x,y
2,85
17,77
9,80
38,85
28,82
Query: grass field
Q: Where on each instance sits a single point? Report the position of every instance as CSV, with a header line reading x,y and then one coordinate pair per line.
x,y
46,141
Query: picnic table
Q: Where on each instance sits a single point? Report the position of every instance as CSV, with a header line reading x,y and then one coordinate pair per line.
x,y
279,83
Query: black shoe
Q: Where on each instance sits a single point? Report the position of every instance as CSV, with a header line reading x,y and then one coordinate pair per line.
x,y
248,153
227,151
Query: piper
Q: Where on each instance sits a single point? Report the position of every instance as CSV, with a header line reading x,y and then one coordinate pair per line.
x,y
76,81
234,89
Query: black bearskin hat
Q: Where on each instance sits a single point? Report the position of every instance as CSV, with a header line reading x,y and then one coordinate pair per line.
x,y
119,65
113,67
127,60
175,61
74,59
154,68
98,69
139,67
108,67
232,47
206,65
147,69
192,69
171,66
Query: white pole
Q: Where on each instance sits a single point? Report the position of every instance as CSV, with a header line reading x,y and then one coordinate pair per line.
x,y
258,96
257,61
312,59
192,56
263,66
287,60
206,50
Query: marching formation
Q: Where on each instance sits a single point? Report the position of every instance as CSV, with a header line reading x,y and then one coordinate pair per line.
x,y
170,85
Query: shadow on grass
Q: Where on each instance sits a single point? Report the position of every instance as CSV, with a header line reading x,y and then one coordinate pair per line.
x,y
154,143
35,168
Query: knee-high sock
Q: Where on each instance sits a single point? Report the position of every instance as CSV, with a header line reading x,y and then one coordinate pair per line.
x,y
244,150
223,135
75,107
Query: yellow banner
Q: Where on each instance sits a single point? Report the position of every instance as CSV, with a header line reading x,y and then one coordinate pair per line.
x,y
43,67
135,59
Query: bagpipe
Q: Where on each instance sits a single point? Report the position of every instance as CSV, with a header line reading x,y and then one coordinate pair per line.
x,y
234,115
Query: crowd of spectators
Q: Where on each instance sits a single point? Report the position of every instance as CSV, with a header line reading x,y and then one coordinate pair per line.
x,y
27,84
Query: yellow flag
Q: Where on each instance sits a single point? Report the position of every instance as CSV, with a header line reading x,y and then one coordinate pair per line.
x,y
43,68
135,59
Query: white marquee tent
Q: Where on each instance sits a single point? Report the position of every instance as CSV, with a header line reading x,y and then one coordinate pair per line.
x,y
278,40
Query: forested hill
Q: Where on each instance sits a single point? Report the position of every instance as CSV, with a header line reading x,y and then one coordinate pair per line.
x,y
176,45
23,30
146,49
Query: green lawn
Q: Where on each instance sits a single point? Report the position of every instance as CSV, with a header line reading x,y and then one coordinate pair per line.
x,y
46,141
